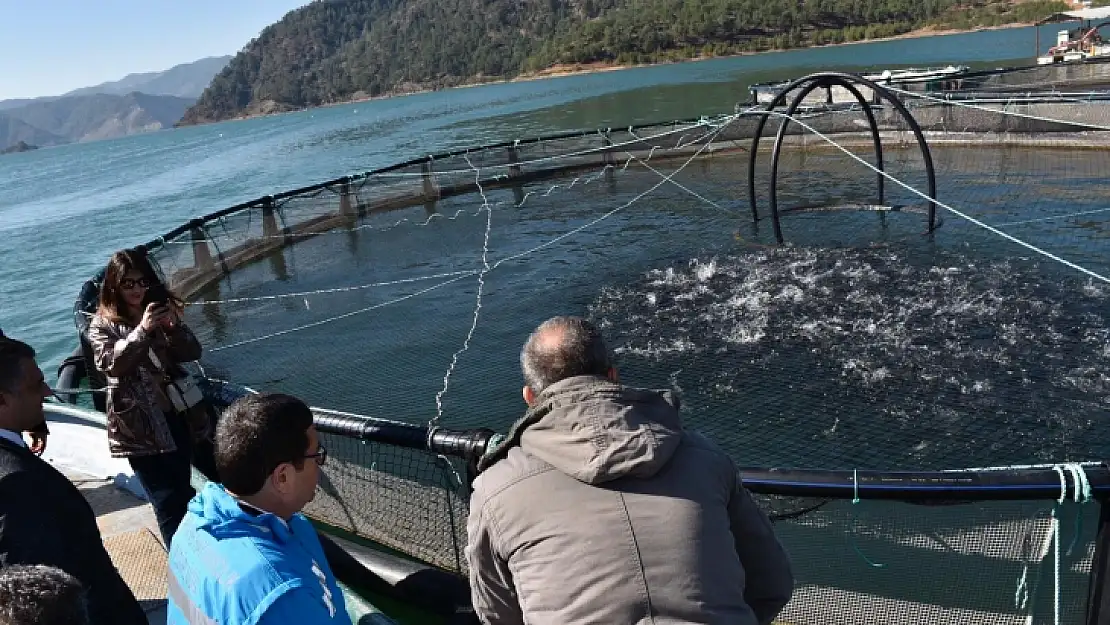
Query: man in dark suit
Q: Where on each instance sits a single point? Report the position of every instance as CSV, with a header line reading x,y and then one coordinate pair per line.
x,y
44,519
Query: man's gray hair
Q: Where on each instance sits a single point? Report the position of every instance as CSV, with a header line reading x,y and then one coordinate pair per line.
x,y
41,595
561,348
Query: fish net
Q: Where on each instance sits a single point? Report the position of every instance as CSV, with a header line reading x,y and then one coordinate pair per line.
x,y
876,336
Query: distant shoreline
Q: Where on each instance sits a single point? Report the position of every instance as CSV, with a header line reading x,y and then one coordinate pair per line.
x,y
576,69
557,71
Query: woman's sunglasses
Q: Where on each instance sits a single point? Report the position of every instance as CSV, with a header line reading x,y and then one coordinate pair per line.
x,y
130,283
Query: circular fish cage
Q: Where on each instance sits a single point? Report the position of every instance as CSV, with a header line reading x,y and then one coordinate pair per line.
x,y
921,408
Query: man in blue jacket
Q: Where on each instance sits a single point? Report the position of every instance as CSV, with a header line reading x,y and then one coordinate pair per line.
x,y
244,554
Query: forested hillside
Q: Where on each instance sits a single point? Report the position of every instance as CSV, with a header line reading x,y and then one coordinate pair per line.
x,y
338,50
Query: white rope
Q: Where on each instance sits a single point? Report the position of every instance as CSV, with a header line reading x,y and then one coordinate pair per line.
x,y
545,159
1082,483
387,227
486,268
308,235
336,318
1021,595
947,207
1056,569
686,189
343,289
1011,467
477,297
922,96
609,214
675,182
1029,221
1063,483
1053,538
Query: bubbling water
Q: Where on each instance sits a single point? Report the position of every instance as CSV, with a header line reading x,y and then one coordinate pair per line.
x,y
874,358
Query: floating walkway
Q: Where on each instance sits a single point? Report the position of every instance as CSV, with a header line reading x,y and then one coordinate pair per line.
x,y
131,536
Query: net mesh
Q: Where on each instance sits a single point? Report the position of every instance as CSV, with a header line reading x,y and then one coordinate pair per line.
x,y
863,342
406,499
877,562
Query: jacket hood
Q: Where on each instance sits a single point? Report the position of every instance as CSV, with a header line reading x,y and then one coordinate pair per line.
x,y
595,430
221,516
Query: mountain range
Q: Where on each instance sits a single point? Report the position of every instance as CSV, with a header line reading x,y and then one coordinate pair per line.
x,y
188,80
136,103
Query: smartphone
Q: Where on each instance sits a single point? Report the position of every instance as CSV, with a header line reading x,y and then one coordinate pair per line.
x,y
156,294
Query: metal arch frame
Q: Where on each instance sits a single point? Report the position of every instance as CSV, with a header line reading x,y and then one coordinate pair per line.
x,y
780,137
848,81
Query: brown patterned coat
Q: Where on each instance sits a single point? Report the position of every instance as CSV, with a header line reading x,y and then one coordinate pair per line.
x,y
137,405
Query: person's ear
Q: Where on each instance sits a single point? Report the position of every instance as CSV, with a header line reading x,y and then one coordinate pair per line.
x,y
529,395
282,478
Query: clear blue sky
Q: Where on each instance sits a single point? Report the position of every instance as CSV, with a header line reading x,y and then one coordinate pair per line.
x,y
49,47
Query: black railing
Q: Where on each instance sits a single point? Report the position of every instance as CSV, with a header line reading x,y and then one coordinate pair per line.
x,y
1005,484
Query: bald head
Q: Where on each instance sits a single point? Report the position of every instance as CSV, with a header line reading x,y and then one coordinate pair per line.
x,y
561,348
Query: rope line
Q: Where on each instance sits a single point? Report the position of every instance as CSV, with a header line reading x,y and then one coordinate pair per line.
x,y
1081,495
343,289
545,159
963,104
1029,221
850,535
675,182
609,214
336,318
477,298
308,235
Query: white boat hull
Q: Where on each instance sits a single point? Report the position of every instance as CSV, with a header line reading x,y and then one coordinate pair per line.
x,y
79,441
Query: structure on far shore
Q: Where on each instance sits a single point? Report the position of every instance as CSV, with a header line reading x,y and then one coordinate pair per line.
x,y
20,146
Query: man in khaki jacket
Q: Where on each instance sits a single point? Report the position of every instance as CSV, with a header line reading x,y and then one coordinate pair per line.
x,y
599,507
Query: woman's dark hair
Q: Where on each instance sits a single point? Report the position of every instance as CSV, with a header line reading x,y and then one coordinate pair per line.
x,y
255,435
112,306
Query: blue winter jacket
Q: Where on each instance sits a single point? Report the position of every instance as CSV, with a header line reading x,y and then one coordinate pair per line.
x,y
233,567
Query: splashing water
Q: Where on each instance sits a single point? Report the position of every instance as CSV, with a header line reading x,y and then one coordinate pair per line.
x,y
873,358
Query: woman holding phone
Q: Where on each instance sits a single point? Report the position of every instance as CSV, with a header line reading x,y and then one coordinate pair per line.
x,y
139,338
